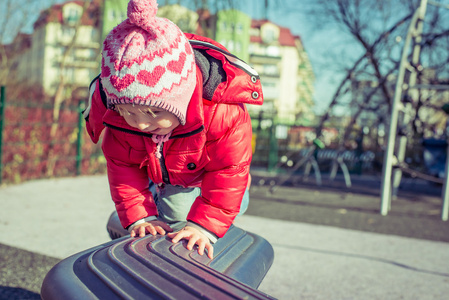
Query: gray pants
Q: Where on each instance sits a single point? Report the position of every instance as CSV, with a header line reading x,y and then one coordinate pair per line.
x,y
174,202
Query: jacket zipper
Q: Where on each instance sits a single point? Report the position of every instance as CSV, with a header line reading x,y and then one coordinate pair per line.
x,y
164,171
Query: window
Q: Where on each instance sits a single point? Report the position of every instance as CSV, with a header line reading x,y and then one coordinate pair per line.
x,y
224,26
270,70
270,33
239,28
94,34
67,33
111,15
238,46
269,36
273,51
72,13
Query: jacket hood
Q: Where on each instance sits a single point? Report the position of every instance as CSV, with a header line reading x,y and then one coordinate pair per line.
x,y
226,78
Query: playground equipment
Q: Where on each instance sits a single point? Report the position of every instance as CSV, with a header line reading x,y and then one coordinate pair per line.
x,y
153,267
309,161
394,160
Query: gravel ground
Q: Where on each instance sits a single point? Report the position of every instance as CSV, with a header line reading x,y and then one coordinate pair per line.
x,y
22,273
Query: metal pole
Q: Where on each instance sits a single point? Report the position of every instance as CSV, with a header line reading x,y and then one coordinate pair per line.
x,y
389,152
273,146
445,193
414,94
79,142
445,207
2,122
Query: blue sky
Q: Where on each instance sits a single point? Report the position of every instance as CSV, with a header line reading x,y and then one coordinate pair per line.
x,y
317,45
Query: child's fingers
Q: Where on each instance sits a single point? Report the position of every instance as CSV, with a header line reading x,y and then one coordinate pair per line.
x,y
159,230
171,235
201,244
156,229
177,236
151,230
210,250
192,241
142,230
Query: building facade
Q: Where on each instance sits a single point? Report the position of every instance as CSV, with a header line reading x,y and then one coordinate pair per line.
x,y
60,50
114,13
232,31
286,73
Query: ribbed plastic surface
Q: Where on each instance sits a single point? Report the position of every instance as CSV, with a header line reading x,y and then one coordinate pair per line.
x,y
153,267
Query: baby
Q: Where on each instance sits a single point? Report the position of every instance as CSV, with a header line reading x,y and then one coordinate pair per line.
x,y
177,135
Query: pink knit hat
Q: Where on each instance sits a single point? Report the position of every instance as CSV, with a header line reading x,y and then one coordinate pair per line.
x,y
147,60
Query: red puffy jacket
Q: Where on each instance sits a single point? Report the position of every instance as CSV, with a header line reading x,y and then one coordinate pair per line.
x,y
212,150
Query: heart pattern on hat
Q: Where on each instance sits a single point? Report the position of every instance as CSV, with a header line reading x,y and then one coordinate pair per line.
x,y
105,71
122,83
147,60
150,78
176,66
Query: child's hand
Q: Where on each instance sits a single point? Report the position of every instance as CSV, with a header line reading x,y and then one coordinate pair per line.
x,y
151,227
195,237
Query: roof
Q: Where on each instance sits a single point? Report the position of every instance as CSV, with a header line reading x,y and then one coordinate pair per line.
x,y
54,14
286,38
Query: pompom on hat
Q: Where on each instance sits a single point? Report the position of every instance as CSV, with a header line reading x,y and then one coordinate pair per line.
x,y
147,60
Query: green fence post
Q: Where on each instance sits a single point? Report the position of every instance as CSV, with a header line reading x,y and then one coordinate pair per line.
x,y
273,148
79,142
2,122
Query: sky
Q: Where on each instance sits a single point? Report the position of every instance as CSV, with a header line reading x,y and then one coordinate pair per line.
x,y
316,45
322,46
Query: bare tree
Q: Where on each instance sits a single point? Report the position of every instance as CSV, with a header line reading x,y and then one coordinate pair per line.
x,y
61,90
376,28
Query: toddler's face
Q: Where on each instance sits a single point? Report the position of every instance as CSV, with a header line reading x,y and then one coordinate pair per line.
x,y
154,120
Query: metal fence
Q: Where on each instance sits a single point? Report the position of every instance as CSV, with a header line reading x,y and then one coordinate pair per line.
x,y
29,149
275,153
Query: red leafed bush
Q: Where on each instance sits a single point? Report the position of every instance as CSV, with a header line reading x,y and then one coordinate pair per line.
x,y
28,149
